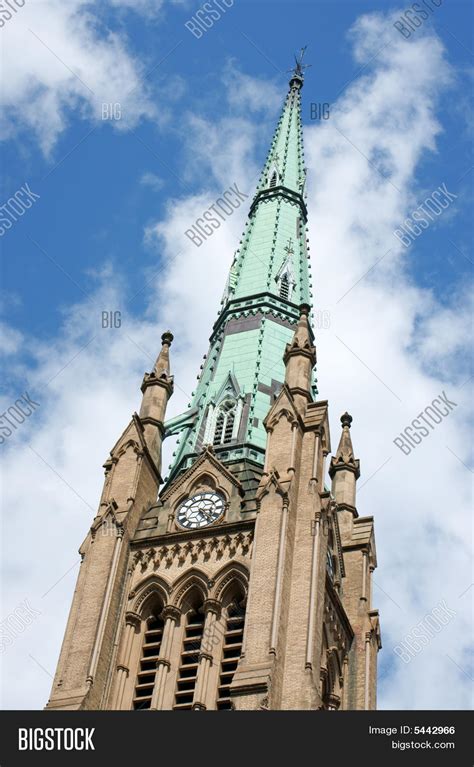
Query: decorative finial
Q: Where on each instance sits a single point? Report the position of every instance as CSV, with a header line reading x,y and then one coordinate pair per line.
x,y
167,337
346,420
298,69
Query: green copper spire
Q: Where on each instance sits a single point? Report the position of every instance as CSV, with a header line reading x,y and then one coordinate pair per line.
x,y
268,280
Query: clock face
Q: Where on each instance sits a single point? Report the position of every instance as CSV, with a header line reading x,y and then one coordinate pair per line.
x,y
200,510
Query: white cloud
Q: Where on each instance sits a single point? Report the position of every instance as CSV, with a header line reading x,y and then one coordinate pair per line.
x,y
10,340
68,62
400,333
250,94
146,7
152,180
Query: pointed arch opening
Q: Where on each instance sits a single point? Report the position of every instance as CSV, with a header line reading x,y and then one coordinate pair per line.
x,y
225,419
285,280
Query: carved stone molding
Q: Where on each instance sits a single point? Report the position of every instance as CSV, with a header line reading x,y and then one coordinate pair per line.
x,y
212,605
194,551
133,619
171,611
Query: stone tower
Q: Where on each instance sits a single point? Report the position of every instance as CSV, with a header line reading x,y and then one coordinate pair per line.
x,y
245,583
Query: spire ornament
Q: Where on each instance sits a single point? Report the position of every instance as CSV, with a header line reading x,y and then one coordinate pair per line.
x,y
162,364
344,457
161,372
346,419
298,70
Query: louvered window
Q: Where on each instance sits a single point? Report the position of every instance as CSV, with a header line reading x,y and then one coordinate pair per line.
x,y
231,652
189,661
273,180
284,288
219,429
224,423
147,669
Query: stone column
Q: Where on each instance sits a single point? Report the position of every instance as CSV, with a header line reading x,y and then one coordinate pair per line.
x,y
294,428
279,578
312,592
364,576
170,615
371,575
212,610
343,683
132,622
367,670
323,471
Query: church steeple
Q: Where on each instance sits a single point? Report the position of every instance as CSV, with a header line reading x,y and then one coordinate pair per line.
x,y
244,583
268,281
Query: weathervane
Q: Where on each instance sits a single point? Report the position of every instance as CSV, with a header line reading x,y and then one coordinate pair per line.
x,y
298,69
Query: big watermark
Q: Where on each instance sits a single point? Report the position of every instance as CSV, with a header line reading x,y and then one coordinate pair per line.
x,y
206,16
421,635
424,215
212,218
15,207
424,423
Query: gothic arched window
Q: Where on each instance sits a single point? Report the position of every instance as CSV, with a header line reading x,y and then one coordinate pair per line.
x,y
273,180
149,655
225,420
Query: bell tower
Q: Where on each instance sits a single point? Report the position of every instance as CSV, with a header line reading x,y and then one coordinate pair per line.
x,y
243,582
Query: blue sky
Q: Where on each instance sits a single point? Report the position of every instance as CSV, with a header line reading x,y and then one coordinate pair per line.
x,y
107,234
92,205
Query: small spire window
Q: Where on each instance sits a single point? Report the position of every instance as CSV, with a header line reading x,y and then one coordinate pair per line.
x,y
273,179
284,287
224,422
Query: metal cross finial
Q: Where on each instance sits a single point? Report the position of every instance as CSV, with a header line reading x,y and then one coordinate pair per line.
x,y
299,67
289,247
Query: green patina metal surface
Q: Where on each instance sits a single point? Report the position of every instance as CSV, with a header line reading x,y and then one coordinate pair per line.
x,y
256,319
